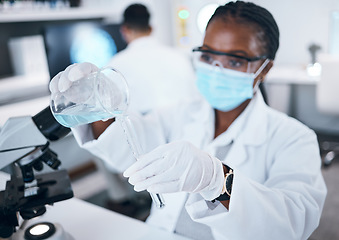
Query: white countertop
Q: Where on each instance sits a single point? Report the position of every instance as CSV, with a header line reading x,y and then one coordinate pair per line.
x,y
290,75
85,221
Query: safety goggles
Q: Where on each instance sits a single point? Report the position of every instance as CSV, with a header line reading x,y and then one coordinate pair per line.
x,y
225,60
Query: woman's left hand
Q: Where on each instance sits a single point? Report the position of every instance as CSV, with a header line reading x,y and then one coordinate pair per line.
x,y
175,167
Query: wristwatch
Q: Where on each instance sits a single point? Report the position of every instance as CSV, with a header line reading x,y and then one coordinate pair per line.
x,y
227,188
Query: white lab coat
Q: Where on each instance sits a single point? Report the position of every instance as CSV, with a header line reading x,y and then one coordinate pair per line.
x,y
278,190
157,75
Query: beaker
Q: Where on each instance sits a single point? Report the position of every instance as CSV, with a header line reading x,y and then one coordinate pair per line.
x,y
99,96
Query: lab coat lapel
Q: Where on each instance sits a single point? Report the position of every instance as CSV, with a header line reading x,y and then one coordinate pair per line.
x,y
236,155
200,128
255,129
254,133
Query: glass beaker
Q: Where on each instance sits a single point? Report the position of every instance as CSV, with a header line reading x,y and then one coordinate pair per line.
x,y
101,95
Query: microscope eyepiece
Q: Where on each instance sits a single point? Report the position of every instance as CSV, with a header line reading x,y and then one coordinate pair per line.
x,y
48,126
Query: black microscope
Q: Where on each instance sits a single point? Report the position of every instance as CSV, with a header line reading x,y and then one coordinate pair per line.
x,y
24,150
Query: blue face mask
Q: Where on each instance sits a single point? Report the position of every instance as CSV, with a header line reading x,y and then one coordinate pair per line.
x,y
225,89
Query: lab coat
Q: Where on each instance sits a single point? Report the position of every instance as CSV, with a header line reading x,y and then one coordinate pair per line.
x,y
278,189
157,74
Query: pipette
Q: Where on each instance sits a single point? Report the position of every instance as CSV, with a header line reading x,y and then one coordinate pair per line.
x,y
135,146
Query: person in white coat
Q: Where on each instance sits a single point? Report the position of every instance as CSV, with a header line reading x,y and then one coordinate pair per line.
x,y
157,74
228,165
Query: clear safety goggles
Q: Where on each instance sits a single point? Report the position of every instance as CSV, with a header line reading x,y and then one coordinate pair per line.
x,y
225,60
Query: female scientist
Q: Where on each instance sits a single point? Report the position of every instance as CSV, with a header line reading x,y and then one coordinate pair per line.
x,y
228,166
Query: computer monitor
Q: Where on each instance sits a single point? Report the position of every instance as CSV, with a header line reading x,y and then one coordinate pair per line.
x,y
81,42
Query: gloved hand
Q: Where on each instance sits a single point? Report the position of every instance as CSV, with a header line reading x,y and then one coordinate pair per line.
x,y
60,85
175,167
63,80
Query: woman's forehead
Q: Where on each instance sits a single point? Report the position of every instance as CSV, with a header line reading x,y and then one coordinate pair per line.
x,y
232,37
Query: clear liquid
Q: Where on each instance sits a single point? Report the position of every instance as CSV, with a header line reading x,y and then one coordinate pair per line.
x,y
78,115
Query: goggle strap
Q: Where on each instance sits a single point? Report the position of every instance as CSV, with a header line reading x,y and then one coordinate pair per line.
x,y
261,68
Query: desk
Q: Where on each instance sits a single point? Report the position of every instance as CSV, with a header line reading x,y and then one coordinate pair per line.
x,y
292,91
290,75
85,221
281,85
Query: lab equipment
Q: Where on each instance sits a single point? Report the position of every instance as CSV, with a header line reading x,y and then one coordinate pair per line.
x,y
137,151
24,146
44,230
100,95
224,59
314,68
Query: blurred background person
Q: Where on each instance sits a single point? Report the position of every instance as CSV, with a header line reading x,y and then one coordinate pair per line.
x,y
162,73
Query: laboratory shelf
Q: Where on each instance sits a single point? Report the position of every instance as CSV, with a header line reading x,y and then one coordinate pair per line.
x,y
36,15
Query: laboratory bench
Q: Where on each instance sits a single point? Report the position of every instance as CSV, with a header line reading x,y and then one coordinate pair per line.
x,y
83,220
292,91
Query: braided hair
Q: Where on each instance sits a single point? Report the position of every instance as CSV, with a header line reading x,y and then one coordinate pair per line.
x,y
250,13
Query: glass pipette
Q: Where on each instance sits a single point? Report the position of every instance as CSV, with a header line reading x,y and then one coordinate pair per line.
x,y
135,146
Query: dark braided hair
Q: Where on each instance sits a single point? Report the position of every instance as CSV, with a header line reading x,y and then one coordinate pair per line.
x,y
250,13
136,16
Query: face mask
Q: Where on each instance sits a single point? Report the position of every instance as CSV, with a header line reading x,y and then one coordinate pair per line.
x,y
225,89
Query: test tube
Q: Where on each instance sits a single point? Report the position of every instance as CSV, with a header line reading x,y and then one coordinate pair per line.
x,y
135,146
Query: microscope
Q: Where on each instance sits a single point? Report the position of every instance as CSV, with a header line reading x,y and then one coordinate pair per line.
x,y
24,150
